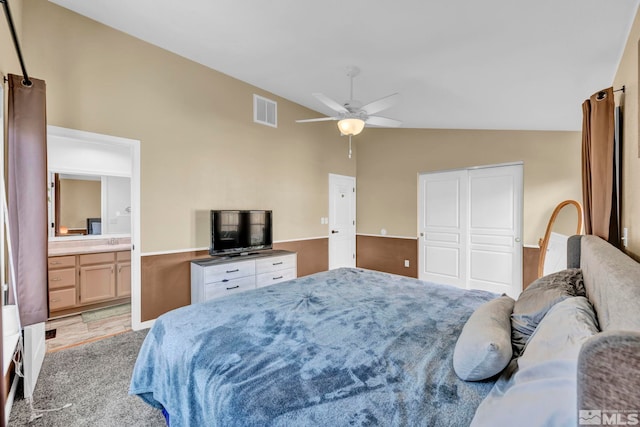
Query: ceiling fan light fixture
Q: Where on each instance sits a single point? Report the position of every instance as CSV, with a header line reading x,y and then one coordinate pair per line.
x,y
351,126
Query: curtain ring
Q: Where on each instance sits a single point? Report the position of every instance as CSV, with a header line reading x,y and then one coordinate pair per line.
x,y
26,83
601,95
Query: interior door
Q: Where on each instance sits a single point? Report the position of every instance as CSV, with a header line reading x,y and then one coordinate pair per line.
x,y
470,224
342,221
495,229
442,223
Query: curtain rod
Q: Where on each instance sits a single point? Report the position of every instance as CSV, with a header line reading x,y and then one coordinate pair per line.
x,y
602,93
7,13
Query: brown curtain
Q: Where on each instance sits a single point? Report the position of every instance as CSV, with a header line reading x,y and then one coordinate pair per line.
x,y
27,195
598,128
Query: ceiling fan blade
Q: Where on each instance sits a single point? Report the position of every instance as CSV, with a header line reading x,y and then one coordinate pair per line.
x,y
383,121
331,103
320,119
381,104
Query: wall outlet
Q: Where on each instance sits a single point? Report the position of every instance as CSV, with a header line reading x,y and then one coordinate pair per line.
x,y
406,263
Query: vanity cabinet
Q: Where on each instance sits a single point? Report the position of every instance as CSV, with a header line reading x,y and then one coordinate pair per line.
x,y
97,277
123,278
62,282
86,281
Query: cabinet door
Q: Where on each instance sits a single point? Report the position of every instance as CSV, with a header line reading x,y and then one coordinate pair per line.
x,y
97,283
123,281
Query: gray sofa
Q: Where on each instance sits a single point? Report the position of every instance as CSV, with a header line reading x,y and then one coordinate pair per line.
x,y
609,363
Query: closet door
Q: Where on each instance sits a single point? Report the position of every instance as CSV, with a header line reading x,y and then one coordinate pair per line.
x,y
443,222
470,225
495,229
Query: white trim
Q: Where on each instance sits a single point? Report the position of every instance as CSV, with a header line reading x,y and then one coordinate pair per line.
x,y
387,236
301,239
147,324
178,251
497,165
531,246
175,251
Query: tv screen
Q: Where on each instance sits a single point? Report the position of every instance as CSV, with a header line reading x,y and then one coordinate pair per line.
x,y
238,231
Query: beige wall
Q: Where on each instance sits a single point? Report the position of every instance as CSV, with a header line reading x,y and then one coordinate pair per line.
x,y
627,75
79,200
8,58
389,162
199,146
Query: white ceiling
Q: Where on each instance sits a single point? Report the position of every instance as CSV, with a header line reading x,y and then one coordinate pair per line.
x,y
459,64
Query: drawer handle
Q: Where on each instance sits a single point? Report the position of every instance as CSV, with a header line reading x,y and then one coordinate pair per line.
x,y
225,280
277,278
278,263
233,271
55,262
56,279
55,300
233,287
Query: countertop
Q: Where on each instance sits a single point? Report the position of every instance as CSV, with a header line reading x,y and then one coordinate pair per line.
x,y
74,247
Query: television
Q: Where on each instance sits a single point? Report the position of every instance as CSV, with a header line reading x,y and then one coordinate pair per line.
x,y
240,232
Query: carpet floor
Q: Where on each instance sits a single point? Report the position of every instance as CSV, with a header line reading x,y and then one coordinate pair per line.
x,y
94,378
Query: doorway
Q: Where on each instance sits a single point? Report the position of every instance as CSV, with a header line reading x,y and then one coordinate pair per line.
x,y
116,163
342,221
470,225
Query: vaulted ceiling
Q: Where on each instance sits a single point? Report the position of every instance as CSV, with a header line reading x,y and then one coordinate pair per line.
x,y
458,64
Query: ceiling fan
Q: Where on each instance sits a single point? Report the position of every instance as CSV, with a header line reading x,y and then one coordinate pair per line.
x,y
352,115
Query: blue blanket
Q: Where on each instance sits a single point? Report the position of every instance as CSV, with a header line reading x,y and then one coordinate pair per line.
x,y
347,347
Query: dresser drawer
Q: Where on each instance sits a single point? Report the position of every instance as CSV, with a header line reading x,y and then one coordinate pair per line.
x,y
271,278
62,298
218,273
98,258
62,278
220,289
62,261
267,265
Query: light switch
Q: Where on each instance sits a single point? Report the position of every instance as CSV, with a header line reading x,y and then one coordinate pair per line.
x,y
406,263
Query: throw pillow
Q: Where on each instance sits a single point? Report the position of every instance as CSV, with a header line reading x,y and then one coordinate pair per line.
x,y
536,300
484,348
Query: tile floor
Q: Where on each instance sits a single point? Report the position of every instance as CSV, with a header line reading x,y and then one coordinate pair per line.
x,y
72,330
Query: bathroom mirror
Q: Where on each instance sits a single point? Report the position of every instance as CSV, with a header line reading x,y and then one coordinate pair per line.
x,y
89,205
565,221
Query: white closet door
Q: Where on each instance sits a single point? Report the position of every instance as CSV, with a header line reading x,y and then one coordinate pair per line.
x,y
442,223
470,224
495,229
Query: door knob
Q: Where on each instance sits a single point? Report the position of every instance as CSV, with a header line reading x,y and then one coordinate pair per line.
x,y
334,231
517,239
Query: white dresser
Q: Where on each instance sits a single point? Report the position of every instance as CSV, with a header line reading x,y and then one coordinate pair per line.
x,y
216,277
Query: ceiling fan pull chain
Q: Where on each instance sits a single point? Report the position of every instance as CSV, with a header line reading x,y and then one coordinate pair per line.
x,y
349,146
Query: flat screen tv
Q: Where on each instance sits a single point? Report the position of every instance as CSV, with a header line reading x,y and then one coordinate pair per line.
x,y
238,232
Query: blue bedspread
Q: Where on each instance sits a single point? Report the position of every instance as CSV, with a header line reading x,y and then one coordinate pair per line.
x,y
347,347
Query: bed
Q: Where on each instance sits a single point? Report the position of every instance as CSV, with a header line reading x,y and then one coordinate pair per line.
x,y
356,347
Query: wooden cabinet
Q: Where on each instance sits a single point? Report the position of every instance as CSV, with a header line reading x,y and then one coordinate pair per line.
x,y
215,278
85,281
123,278
62,282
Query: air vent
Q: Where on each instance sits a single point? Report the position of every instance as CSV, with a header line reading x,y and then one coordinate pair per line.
x,y
265,111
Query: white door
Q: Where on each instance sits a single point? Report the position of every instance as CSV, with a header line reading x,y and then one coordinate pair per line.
x,y
495,229
342,221
443,219
470,224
